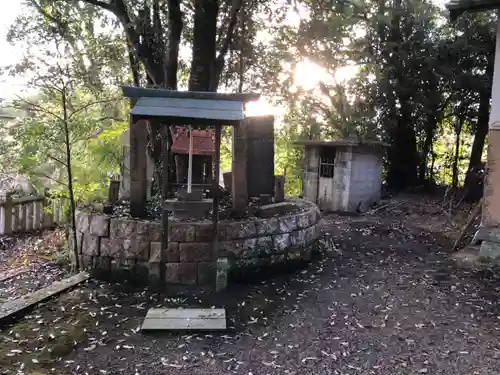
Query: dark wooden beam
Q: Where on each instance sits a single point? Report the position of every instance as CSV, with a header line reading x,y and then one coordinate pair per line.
x,y
138,92
138,165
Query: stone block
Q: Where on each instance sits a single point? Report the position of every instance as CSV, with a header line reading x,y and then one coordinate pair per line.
x,y
195,251
267,226
79,241
240,230
264,245
154,273
142,228
297,238
181,232
83,221
122,228
281,242
173,273
155,231
222,269
155,255
294,253
204,231
173,252
90,245
206,273
287,224
304,220
111,247
275,209
99,226
129,249
310,234
142,248
244,248
188,273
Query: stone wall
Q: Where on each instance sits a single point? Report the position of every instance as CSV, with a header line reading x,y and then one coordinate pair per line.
x,y
135,247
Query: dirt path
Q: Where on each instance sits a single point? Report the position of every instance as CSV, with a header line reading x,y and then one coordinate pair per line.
x,y
385,299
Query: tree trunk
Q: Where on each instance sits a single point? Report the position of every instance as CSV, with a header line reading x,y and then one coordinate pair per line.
x,y
471,182
426,149
458,132
204,45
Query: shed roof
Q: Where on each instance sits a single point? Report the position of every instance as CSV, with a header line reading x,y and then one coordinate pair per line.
x,y
341,143
458,7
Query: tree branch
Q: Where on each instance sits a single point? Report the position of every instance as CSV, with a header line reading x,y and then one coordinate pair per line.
x,y
56,159
101,4
39,108
220,60
90,104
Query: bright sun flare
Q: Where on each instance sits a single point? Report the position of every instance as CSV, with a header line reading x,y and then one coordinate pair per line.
x,y
307,76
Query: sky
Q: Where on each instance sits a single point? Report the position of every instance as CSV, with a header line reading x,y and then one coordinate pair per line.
x,y
9,86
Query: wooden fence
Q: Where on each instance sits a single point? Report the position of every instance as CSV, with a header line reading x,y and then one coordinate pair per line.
x,y
27,214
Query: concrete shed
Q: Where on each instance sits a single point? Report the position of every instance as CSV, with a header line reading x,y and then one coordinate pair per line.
x,y
343,175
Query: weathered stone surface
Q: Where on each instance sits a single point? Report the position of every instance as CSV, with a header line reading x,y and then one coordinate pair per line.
x,y
490,250
188,273
281,242
182,232
267,226
206,273
204,231
83,221
155,252
310,234
122,228
222,268
294,253
128,249
142,249
99,226
304,220
111,246
264,245
142,227
287,224
239,248
297,238
239,230
195,251
155,231
154,272
274,209
173,252
90,245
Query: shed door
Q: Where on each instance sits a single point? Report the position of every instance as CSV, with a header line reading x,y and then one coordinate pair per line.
x,y
325,186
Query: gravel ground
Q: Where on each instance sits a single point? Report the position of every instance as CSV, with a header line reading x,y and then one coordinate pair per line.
x,y
384,298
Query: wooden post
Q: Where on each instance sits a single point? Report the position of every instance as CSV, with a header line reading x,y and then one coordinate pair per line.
x,y
239,169
279,189
114,190
215,182
190,161
6,214
165,149
138,165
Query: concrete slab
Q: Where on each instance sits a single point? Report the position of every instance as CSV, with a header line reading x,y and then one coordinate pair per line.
x,y
185,319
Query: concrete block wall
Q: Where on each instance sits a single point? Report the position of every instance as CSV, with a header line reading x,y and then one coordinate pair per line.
x,y
366,180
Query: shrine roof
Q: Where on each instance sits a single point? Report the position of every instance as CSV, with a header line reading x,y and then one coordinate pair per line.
x,y
188,107
458,7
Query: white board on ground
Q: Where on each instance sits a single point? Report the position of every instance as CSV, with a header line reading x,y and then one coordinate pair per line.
x,y
185,319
